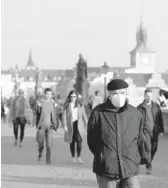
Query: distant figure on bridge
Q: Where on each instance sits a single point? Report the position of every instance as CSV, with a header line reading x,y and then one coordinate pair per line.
x,y
59,108
113,136
97,99
152,127
18,116
46,123
74,124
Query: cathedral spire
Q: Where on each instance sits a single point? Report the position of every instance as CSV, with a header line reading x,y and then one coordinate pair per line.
x,y
30,63
141,35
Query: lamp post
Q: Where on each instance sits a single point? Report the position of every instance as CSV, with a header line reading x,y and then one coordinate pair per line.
x,y
105,69
16,81
37,79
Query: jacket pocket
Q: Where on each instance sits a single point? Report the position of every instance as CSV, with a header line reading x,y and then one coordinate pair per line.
x,y
134,155
23,120
99,164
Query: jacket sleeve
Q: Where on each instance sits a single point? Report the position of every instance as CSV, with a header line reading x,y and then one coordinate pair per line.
x,y
54,118
57,120
38,115
141,127
141,137
160,120
142,142
94,140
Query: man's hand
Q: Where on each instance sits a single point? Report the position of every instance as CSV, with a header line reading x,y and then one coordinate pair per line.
x,y
29,124
65,129
161,134
143,137
53,127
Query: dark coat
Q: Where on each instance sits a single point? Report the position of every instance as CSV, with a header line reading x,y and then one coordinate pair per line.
x,y
157,117
113,138
150,143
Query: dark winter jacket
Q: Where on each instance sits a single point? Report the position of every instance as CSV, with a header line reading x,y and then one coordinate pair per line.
x,y
113,138
158,128
157,117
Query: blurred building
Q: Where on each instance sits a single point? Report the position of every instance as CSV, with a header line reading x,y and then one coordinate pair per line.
x,y
141,72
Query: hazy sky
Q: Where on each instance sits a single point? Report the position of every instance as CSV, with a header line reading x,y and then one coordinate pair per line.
x,y
102,30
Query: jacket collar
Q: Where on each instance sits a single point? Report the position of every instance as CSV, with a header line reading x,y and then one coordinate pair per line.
x,y
144,104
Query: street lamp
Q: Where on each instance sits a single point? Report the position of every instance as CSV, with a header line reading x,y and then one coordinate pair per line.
x,y
16,81
37,80
105,69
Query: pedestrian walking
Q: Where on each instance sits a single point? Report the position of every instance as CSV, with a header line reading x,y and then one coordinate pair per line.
x,y
18,115
74,124
59,108
46,123
113,136
152,127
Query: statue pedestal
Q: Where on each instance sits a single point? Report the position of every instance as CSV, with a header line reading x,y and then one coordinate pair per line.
x,y
156,81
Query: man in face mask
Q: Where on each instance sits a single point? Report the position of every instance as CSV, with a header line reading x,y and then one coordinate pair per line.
x,y
118,97
113,136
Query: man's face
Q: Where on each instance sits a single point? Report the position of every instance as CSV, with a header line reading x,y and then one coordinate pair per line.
x,y
48,95
115,93
118,97
21,93
148,97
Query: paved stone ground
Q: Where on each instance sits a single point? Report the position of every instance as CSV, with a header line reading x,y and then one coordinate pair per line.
x,y
21,169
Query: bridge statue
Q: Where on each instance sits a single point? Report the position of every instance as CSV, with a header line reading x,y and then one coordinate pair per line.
x,y
82,84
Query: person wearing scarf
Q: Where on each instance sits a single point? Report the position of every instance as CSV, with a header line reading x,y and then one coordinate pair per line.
x,y
74,124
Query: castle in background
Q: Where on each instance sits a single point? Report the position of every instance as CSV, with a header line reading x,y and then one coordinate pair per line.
x,y
141,72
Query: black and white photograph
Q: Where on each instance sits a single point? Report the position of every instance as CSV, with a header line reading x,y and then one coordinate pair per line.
x,y
84,94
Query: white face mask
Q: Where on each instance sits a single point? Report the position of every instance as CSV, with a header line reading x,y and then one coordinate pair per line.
x,y
118,100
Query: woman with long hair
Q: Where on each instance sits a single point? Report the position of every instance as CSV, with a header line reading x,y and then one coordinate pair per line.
x,y
74,124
